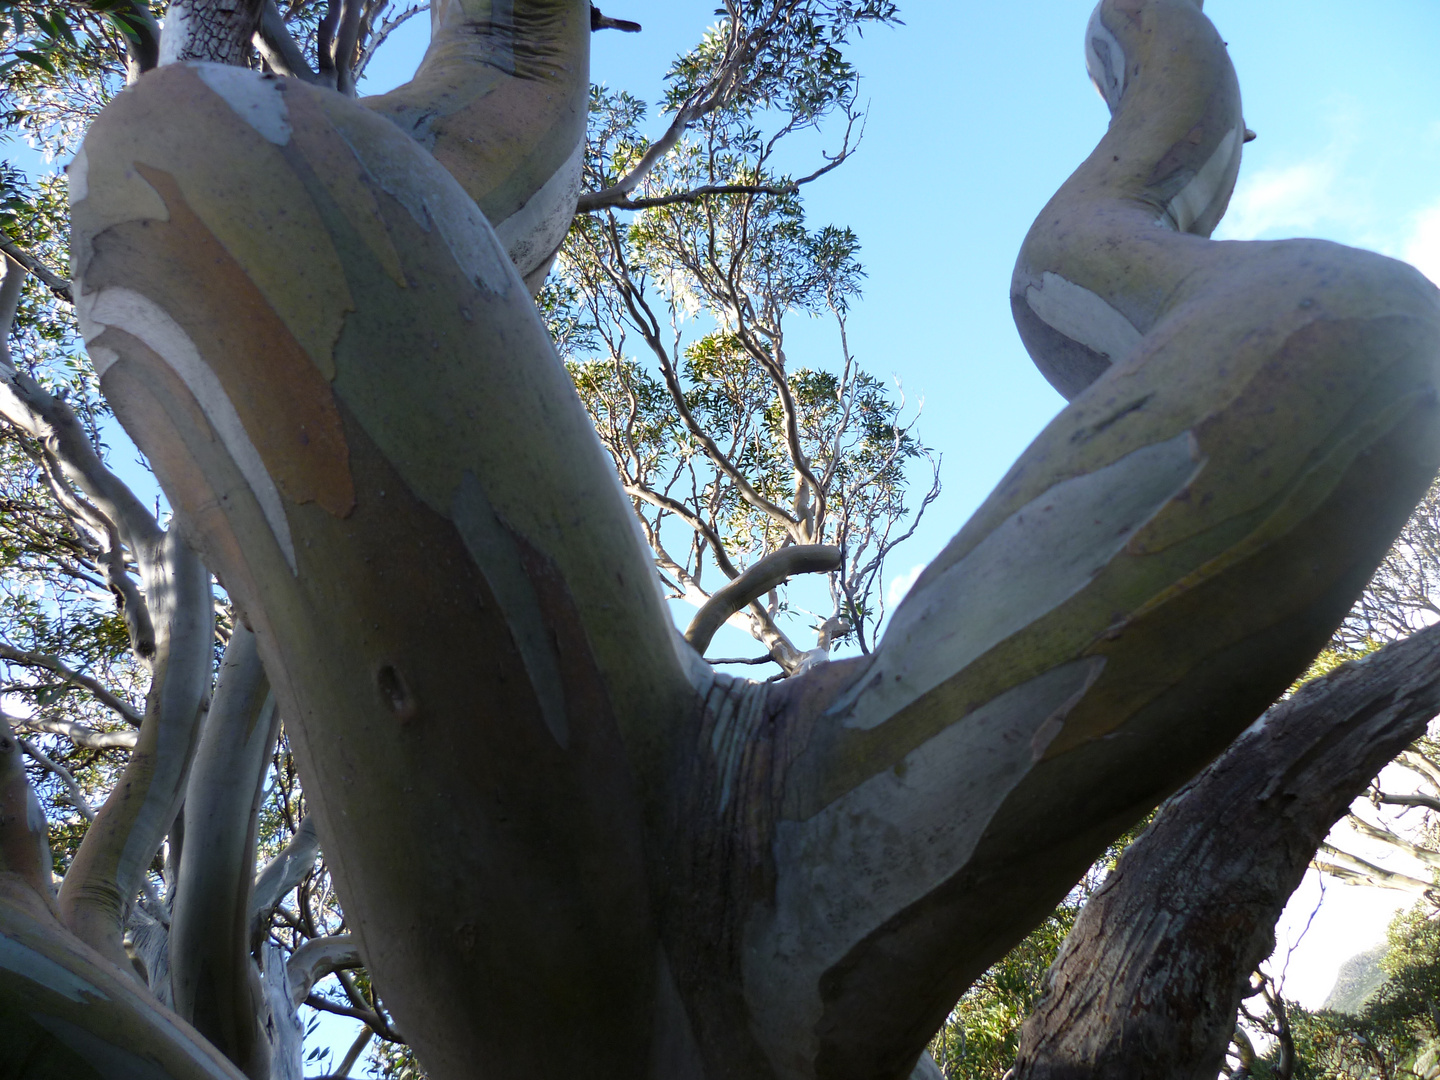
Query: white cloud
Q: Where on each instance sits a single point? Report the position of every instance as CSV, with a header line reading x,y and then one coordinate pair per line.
x,y
1422,249
899,586
1292,197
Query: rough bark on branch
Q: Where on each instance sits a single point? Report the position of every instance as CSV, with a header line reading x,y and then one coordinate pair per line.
x,y
1148,982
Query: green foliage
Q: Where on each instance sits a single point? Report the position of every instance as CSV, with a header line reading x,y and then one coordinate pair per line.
x,y
673,322
1396,1033
982,1034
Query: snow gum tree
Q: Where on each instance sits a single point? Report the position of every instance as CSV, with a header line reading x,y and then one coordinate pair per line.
x,y
553,825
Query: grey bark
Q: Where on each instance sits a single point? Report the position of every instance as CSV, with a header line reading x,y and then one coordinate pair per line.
x,y
1149,980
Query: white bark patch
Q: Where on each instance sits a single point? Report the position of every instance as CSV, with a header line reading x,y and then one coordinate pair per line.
x,y
1029,565
534,231
174,35
885,845
1082,316
494,552
137,315
78,175
257,99
435,200
1105,60
1195,197
40,969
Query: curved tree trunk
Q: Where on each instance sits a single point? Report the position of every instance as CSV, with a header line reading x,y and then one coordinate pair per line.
x,y
555,830
1150,977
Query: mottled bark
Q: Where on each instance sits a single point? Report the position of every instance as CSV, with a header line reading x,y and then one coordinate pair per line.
x,y
1150,978
216,30
556,831
501,99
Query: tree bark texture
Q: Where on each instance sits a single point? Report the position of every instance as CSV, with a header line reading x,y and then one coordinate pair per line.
x,y
557,833
1149,979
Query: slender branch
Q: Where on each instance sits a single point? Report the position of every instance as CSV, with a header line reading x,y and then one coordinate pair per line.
x,y
1394,840
1352,868
87,737
52,281
52,663
346,41
74,794
278,46
1429,802
388,27
356,1049
710,97
366,1016
767,574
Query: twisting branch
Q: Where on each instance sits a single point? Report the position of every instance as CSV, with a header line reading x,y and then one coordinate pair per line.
x,y
767,574
317,958
283,873
347,39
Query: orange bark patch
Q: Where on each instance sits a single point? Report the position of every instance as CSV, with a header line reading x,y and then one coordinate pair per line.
x,y
286,405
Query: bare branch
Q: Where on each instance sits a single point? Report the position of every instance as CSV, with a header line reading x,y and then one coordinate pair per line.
x,y
74,795
1429,802
283,873
54,282
605,22
346,40
388,27
317,958
278,46
87,737
1352,868
51,663
767,574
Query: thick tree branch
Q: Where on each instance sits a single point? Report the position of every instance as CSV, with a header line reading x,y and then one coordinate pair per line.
x,y
318,958
768,573
1149,980
283,873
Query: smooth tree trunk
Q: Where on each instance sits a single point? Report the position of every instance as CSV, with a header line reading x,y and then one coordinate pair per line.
x,y
1149,980
558,834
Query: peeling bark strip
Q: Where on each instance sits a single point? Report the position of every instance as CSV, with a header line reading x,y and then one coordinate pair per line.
x,y
1150,977
580,839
